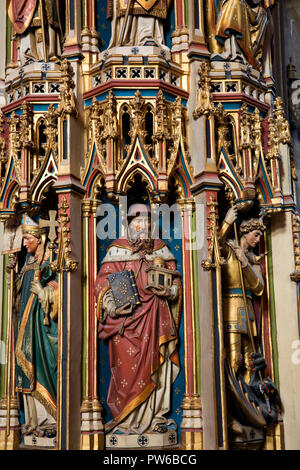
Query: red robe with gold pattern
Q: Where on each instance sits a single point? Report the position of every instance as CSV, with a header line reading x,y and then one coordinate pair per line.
x,y
148,342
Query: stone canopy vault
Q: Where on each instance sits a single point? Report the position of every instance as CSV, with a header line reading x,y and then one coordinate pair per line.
x,y
149,227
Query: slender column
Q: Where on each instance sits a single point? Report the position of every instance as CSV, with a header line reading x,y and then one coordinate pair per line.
x,y
98,428
191,425
4,290
1,286
92,430
180,36
3,55
70,323
70,193
73,27
86,406
86,32
196,22
206,322
206,184
286,304
11,46
9,419
94,32
26,140
85,22
286,180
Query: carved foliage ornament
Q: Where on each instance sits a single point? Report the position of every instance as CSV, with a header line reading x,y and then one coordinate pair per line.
x,y
67,103
51,131
64,261
3,158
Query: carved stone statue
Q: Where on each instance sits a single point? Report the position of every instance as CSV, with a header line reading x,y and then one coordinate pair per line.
x,y
240,30
241,280
142,339
137,22
36,340
237,339
38,26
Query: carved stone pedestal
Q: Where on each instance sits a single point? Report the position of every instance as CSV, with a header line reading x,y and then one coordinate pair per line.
x,y
45,442
252,438
140,441
9,438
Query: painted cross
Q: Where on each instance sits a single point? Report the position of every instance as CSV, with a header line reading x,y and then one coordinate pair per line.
x,y
172,438
54,87
45,67
39,88
143,441
52,224
113,441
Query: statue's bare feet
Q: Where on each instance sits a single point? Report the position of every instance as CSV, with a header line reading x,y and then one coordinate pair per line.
x,y
46,431
26,429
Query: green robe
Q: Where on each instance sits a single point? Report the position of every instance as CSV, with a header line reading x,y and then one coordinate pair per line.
x,y
36,344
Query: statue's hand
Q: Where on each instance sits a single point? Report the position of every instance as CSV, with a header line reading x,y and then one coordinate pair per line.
x,y
231,215
239,252
258,362
36,288
126,309
265,389
160,292
268,388
11,263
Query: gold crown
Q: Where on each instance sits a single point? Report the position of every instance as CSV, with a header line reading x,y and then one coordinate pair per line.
x,y
30,227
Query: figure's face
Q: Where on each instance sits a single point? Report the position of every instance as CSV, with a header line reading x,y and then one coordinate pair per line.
x,y
140,228
31,243
252,238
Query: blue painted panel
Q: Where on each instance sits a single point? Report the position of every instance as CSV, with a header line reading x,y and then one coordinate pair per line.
x,y
174,242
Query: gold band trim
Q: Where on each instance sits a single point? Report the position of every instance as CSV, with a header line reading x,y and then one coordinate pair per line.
x,y
44,397
134,403
23,363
